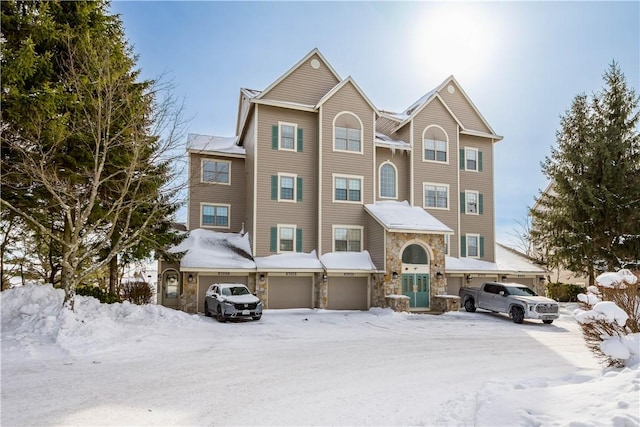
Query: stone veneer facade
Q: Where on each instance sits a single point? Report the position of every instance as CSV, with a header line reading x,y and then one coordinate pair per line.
x,y
395,243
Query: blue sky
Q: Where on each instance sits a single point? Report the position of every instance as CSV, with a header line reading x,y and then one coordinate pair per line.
x,y
521,63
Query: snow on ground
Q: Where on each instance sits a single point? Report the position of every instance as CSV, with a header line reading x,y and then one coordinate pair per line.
x,y
147,365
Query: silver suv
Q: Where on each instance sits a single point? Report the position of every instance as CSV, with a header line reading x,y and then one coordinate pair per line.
x,y
231,301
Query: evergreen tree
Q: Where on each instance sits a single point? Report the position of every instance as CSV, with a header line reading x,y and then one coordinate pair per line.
x,y
81,164
589,220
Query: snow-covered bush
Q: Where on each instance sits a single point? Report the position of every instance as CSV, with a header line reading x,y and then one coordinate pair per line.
x,y
610,318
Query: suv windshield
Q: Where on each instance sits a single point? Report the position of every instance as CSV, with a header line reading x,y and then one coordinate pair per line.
x,y
524,292
239,290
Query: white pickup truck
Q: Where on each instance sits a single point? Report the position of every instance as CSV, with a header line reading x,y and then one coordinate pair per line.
x,y
515,299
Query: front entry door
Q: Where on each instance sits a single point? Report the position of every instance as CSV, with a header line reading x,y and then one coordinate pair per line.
x,y
170,289
416,287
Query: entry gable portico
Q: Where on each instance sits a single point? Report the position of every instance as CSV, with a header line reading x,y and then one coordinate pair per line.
x,y
413,253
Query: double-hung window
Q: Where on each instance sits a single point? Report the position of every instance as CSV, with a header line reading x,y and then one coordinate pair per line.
x,y
435,150
215,216
216,171
287,136
286,235
436,196
347,239
471,155
348,189
287,187
472,202
347,139
473,245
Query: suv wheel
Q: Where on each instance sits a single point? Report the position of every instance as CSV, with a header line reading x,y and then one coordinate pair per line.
x,y
220,316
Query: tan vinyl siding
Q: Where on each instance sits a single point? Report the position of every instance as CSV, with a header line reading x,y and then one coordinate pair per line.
x,y
339,162
375,243
400,160
439,173
483,183
304,164
462,109
305,84
232,194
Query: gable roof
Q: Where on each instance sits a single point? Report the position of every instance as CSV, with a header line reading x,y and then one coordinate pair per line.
x,y
339,86
508,261
414,109
314,51
402,217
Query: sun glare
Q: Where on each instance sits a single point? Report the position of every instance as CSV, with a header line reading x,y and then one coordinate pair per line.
x,y
454,39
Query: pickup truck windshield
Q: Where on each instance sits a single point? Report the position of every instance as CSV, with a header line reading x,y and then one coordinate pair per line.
x,y
524,292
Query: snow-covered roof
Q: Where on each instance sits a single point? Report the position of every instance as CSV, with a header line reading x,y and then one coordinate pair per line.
x,y
348,261
401,216
386,141
507,261
214,144
290,261
207,249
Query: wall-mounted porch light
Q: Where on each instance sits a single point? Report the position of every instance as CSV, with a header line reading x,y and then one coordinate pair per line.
x,y
394,275
190,278
324,277
468,278
439,275
261,278
504,278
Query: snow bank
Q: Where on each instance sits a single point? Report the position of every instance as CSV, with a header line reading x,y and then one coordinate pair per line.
x,y
32,317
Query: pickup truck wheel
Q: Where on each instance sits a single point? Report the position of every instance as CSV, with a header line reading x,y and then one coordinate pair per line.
x,y
220,317
547,322
517,314
206,310
469,305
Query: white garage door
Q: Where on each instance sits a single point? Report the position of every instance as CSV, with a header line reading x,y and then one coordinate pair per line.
x,y
348,293
290,292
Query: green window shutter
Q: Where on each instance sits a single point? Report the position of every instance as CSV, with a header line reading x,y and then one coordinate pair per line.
x,y
274,187
298,240
463,246
480,203
274,239
299,189
463,207
462,158
299,140
274,137
479,161
481,243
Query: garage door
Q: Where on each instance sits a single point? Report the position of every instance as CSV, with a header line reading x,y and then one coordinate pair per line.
x,y
527,281
205,281
348,293
453,285
290,292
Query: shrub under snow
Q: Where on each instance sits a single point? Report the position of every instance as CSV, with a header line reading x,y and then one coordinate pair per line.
x,y
610,318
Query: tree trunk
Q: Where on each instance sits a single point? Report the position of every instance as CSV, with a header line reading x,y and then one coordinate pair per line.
x,y
113,274
66,275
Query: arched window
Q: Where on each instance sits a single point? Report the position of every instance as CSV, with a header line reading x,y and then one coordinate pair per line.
x,y
415,254
347,133
388,184
435,144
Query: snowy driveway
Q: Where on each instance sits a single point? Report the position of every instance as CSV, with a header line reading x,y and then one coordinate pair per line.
x,y
301,367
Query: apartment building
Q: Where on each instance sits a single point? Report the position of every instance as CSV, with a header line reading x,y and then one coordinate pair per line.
x,y
322,200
